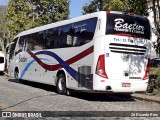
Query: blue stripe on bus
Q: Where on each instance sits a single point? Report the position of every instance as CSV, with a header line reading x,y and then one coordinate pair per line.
x,y
69,69
28,65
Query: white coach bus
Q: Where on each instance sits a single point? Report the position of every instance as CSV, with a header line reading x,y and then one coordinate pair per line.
x,y
99,52
2,62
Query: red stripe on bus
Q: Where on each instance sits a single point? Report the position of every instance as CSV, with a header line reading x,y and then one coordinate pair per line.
x,y
129,35
69,61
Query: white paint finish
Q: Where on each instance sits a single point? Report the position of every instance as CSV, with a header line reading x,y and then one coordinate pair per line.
x,y
114,64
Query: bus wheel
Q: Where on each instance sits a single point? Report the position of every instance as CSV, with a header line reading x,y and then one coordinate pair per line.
x,y
61,84
69,92
16,75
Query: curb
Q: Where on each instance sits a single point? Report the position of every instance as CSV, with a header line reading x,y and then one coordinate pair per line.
x,y
148,98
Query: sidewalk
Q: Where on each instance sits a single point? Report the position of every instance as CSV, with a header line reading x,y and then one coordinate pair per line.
x,y
146,97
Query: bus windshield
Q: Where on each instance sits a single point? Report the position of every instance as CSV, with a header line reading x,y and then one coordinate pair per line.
x,y
129,25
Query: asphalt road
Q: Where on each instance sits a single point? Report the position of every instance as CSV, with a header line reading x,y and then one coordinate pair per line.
x,y
29,96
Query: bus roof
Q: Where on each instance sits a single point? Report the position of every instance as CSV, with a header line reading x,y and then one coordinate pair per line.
x,y
59,23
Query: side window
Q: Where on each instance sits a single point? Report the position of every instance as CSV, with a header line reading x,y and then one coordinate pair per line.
x,y
34,41
30,42
70,35
51,38
39,39
84,31
21,45
66,36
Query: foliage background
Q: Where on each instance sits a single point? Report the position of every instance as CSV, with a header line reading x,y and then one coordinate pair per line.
x,y
21,15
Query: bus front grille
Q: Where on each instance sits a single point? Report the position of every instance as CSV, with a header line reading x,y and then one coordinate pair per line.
x,y
127,49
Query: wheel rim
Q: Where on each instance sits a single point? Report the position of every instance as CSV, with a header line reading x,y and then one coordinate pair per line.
x,y
61,84
16,75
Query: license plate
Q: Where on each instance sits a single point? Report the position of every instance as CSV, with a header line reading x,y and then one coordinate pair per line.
x,y
126,84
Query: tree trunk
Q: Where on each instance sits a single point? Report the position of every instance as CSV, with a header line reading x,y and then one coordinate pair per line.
x,y
156,15
2,44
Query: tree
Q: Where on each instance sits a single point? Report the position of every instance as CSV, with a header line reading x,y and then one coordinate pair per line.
x,y
18,15
98,5
139,7
26,14
156,29
156,16
48,11
134,6
4,33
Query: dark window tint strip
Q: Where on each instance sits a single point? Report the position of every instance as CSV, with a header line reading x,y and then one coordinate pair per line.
x,y
126,45
127,49
125,52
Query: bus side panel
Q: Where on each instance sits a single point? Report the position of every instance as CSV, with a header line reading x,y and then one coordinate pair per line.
x,y
82,60
98,50
31,70
11,69
83,79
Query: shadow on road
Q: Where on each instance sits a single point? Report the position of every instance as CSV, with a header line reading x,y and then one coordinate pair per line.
x,y
103,97
1,73
35,85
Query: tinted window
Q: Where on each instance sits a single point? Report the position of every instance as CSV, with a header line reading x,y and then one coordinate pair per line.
x,y
125,24
30,41
1,59
52,38
84,31
21,45
70,35
38,40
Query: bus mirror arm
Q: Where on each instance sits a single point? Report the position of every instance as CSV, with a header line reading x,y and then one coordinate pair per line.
x,y
9,44
8,47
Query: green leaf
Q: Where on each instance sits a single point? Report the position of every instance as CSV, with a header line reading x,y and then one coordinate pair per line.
x,y
28,14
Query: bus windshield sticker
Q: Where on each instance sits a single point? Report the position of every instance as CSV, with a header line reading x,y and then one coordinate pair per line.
x,y
121,25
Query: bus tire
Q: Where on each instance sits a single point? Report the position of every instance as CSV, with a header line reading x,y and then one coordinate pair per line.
x,y
16,75
61,84
69,92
